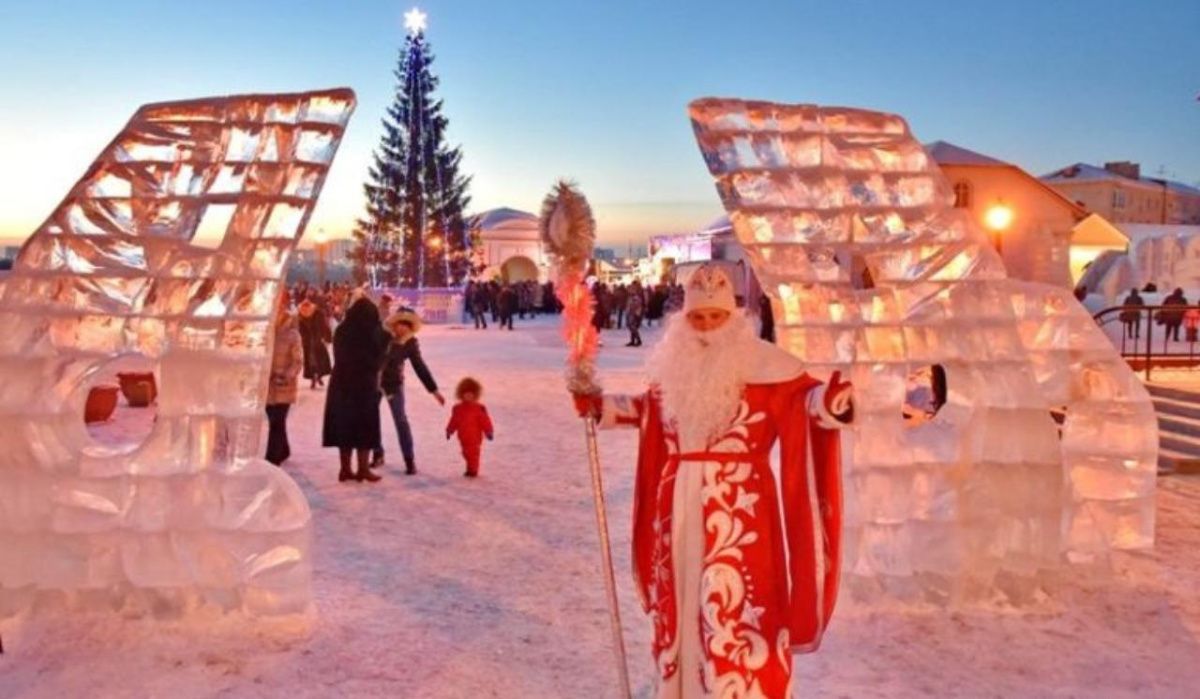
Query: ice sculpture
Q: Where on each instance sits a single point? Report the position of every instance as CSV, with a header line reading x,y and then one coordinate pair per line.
x,y
851,230
192,515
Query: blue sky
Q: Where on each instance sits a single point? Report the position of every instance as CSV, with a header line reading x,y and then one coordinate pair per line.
x,y
597,90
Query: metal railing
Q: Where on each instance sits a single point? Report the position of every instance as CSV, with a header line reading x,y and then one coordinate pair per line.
x,y
1137,335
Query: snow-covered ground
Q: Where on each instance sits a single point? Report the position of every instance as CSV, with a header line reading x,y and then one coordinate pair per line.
x,y
436,586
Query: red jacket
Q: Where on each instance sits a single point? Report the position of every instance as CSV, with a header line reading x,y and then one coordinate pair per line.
x,y
471,421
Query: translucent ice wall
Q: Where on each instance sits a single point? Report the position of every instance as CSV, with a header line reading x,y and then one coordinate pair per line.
x,y
192,514
992,491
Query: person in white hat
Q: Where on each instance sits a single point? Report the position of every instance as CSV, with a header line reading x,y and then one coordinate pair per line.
x,y
733,582
402,348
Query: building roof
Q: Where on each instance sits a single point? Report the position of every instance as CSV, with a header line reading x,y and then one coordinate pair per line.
x,y
1137,232
1097,231
508,224
504,217
949,154
717,225
1083,172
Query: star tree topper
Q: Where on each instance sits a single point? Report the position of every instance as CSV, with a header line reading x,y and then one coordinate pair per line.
x,y
415,20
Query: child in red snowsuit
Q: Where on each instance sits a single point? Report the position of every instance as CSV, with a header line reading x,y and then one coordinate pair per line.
x,y
470,420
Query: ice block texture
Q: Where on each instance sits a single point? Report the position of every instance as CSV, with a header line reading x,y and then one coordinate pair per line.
x,y
850,227
192,514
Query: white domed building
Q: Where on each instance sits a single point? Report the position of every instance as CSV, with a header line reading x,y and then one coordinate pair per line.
x,y
512,246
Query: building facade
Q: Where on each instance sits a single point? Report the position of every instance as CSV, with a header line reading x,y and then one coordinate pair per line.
x,y
1120,193
512,248
1031,223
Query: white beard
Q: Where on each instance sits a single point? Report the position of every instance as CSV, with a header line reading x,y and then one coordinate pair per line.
x,y
702,377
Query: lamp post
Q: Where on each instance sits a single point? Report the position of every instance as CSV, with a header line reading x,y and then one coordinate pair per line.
x,y
322,243
997,219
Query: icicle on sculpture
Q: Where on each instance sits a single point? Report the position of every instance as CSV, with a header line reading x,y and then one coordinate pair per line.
x,y
193,514
850,228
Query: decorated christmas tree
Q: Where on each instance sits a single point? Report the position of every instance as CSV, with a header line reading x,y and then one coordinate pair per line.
x,y
414,234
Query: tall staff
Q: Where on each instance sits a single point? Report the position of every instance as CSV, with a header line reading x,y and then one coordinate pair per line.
x,y
569,232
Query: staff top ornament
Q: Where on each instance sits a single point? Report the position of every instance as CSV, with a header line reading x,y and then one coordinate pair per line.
x,y
567,226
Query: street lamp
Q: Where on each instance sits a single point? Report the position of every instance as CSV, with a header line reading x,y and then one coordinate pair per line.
x,y
321,242
998,218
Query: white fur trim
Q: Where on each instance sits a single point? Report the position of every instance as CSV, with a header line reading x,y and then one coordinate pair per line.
x,y
616,408
771,363
816,408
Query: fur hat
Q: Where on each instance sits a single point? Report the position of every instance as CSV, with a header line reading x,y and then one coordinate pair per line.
x,y
405,315
709,287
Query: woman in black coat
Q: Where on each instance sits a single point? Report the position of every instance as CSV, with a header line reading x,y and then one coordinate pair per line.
x,y
314,333
352,403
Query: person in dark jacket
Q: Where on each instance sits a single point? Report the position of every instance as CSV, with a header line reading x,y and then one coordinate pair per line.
x,y
1172,318
402,348
478,302
352,404
766,316
1131,315
508,306
620,296
635,307
654,305
314,333
600,308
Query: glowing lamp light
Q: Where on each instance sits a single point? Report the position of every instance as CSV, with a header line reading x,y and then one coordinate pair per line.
x,y
998,217
415,21
320,238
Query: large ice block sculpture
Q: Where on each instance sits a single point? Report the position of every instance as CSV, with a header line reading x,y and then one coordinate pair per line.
x,y
192,514
850,227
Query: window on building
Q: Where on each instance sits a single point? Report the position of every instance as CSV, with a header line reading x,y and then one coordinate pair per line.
x,y
1118,199
962,195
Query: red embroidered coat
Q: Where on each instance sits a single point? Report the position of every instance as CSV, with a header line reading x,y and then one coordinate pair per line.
x,y
767,584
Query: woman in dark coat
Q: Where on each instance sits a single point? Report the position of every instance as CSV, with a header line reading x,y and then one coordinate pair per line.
x,y
352,404
314,333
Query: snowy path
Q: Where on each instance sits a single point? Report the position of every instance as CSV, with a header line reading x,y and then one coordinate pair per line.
x,y
434,586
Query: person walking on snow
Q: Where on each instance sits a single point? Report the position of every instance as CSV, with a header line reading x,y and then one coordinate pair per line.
x,y
634,309
470,420
314,333
478,301
508,306
735,572
402,347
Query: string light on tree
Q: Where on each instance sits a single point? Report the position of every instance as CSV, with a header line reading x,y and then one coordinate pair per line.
x,y
414,233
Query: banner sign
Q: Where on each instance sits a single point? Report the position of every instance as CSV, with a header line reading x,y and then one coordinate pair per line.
x,y
435,306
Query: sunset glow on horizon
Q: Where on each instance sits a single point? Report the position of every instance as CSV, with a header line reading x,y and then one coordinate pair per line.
x,y
608,109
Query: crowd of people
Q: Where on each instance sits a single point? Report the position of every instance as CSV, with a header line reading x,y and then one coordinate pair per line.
x,y
371,346
1176,313
372,342
630,306
503,301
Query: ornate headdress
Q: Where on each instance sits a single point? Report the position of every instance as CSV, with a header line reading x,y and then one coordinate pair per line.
x,y
709,287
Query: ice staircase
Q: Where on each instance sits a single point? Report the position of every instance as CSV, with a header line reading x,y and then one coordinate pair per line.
x,y
1178,427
